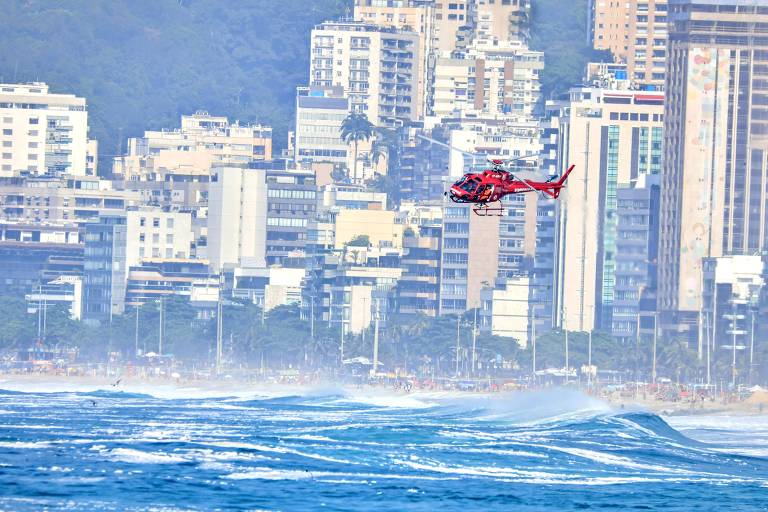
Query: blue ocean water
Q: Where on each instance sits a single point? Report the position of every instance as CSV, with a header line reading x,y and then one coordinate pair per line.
x,y
331,450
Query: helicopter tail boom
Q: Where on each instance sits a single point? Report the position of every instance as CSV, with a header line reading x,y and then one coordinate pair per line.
x,y
558,185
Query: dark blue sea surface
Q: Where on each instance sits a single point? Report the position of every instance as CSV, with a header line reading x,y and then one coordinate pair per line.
x,y
334,450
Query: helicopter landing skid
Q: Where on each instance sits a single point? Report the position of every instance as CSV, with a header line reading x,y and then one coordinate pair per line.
x,y
483,210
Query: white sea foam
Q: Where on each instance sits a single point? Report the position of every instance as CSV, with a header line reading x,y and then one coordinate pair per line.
x,y
387,400
276,449
274,474
24,445
490,471
140,457
615,460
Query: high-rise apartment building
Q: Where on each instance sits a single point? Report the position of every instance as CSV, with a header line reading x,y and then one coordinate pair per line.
x,y
291,203
453,25
637,250
320,111
469,257
237,218
378,67
43,133
419,288
714,195
117,242
503,20
635,32
415,16
105,271
490,78
612,137
203,141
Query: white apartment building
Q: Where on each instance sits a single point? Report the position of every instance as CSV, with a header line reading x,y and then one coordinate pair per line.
x,y
378,67
237,218
505,311
320,112
612,137
43,133
492,77
154,234
416,16
202,142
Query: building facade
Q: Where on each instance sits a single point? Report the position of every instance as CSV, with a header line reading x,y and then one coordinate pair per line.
x,y
612,137
503,20
489,78
637,249
68,199
378,67
202,142
320,112
291,203
713,200
42,133
635,32
237,218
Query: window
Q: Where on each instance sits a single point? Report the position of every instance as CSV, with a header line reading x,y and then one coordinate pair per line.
x,y
32,145
169,253
32,156
156,238
7,131
169,223
156,222
34,120
142,237
7,144
33,133
169,239
143,222
7,156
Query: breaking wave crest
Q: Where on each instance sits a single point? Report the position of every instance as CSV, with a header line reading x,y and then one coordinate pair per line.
x,y
296,448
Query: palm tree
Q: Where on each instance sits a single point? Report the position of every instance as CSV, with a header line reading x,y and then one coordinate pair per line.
x,y
354,128
385,144
678,357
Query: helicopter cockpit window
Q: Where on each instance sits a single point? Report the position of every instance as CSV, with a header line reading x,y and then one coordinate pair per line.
x,y
469,186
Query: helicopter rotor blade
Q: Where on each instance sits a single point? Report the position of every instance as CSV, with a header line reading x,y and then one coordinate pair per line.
x,y
446,145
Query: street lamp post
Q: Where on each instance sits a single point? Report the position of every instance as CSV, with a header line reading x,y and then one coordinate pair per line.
x,y
655,334
458,320
533,343
136,334
751,347
474,344
733,343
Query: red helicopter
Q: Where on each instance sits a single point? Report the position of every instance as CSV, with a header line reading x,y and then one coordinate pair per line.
x,y
492,184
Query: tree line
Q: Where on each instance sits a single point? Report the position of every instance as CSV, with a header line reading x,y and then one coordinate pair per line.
x,y
284,337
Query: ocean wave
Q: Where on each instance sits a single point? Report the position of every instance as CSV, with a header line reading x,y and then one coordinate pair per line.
x,y
140,457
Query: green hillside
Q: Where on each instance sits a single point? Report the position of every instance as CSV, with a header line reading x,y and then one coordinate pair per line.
x,y
559,28
142,63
